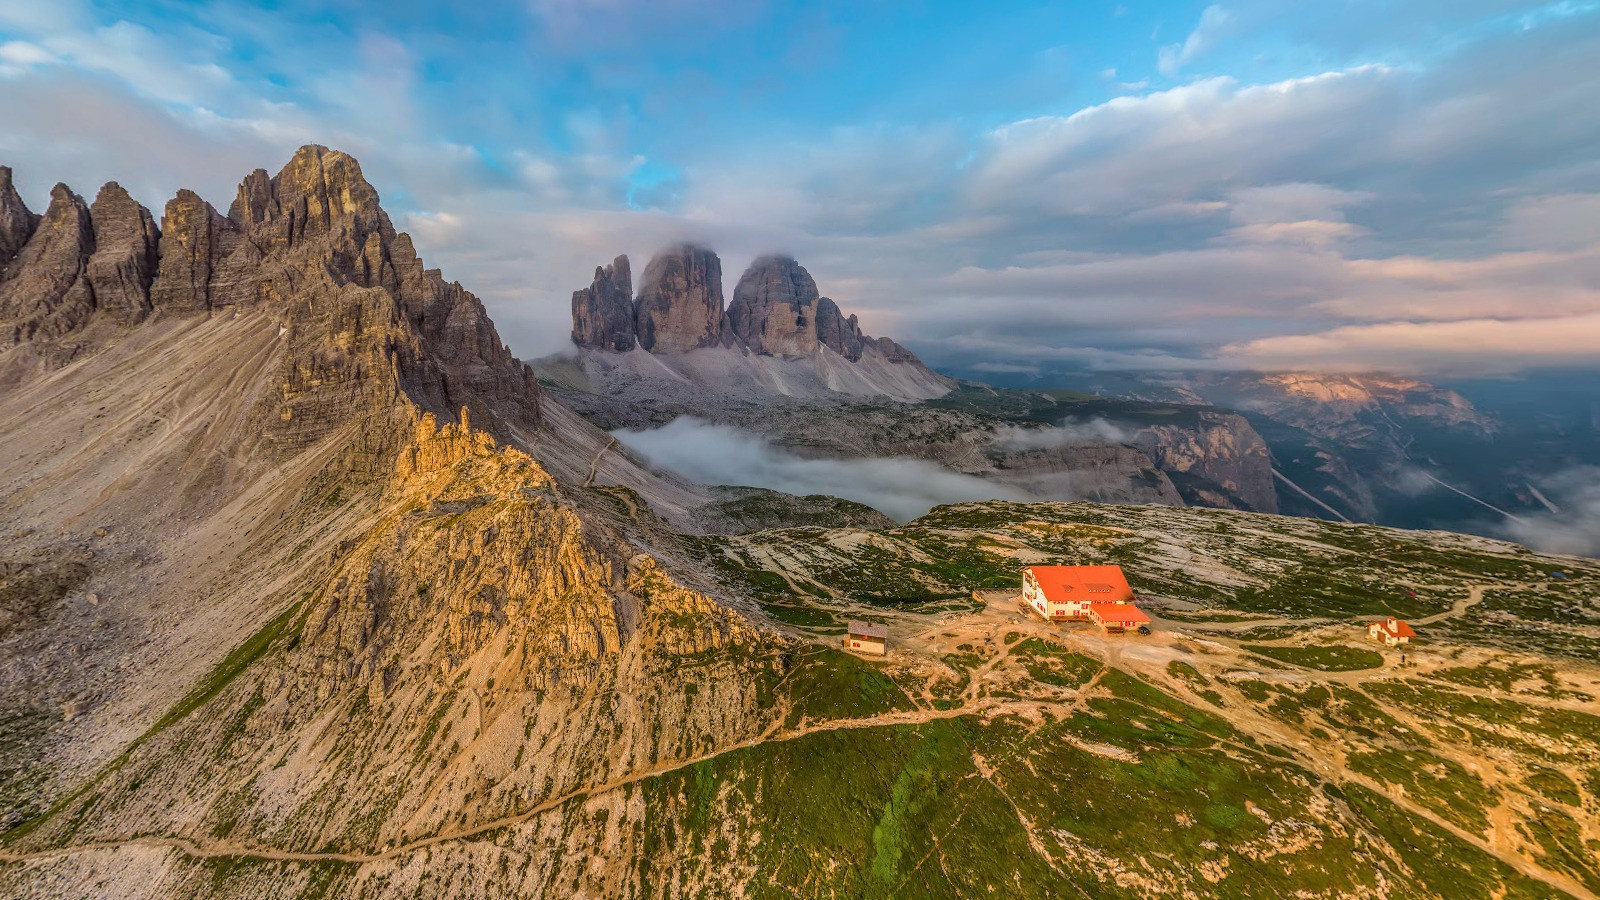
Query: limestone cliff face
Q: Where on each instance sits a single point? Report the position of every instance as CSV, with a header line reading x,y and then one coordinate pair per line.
x,y
680,303
363,318
1220,461
842,336
45,293
16,221
602,313
774,308
125,256
193,234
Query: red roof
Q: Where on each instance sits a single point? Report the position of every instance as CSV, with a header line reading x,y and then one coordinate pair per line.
x,y
1400,629
1095,584
1119,613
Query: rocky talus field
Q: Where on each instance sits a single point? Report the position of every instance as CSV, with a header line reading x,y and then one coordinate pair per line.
x,y
310,589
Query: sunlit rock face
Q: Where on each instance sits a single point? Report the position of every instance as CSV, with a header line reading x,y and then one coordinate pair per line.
x,y
680,301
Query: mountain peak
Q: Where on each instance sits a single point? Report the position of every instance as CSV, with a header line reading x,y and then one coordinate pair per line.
x,y
602,313
774,308
779,336
16,220
679,306
311,245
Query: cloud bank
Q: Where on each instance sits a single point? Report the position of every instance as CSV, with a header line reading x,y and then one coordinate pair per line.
x,y
1068,433
1574,526
902,489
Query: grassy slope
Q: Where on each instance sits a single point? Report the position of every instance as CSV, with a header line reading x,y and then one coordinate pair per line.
x,y
1222,560
1135,791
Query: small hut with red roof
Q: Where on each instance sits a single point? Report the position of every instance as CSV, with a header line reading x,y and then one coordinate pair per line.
x,y
1390,631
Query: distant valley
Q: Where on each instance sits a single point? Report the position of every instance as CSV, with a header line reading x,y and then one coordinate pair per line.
x,y
1360,448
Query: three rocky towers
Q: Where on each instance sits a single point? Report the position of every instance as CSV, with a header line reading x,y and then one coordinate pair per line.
x,y
776,310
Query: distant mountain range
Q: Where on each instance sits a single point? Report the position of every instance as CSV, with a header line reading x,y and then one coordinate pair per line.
x,y
1397,450
1371,447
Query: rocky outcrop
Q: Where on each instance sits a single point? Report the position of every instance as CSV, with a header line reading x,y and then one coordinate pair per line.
x,y
45,293
602,313
16,220
774,308
680,300
778,338
192,235
365,321
842,336
125,257
319,192
893,352
1217,461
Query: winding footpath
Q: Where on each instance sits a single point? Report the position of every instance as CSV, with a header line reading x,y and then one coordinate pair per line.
x,y
220,849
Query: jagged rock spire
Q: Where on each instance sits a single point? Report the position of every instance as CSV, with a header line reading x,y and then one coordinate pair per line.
x,y
193,236
312,245
125,258
45,293
602,313
17,222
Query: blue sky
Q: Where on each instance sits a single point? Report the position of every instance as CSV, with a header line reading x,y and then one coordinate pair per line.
x,y
1007,187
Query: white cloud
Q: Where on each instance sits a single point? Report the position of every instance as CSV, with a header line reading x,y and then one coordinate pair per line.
x,y
1214,23
717,454
1067,433
1465,345
17,57
1573,527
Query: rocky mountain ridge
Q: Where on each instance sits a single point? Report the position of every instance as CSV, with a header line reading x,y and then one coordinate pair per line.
x,y
233,420
85,272
1371,447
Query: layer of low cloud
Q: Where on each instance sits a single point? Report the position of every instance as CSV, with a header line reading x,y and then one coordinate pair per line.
x,y
717,454
1068,433
1573,527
